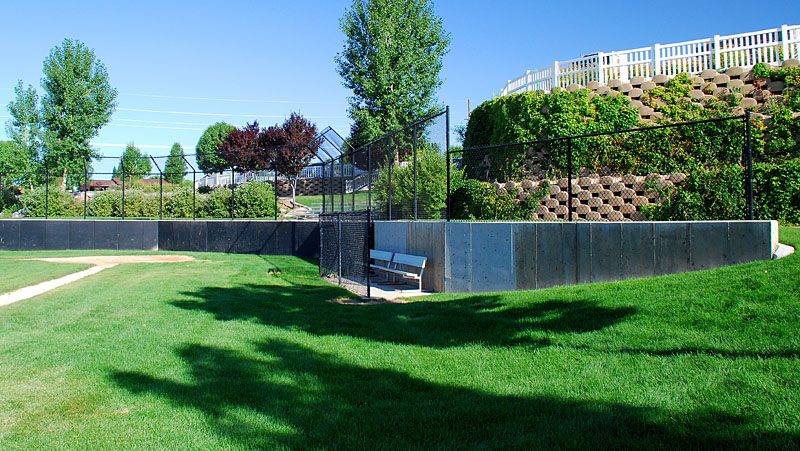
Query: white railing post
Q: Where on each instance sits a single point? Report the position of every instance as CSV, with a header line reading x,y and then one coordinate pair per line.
x,y
656,59
601,68
785,43
528,81
717,63
555,83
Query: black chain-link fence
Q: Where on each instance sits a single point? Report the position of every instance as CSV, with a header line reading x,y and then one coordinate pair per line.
x,y
344,249
692,170
399,176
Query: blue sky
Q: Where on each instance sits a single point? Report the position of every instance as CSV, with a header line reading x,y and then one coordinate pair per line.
x,y
181,66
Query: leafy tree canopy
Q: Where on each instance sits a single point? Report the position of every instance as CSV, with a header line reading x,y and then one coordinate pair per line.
x,y
208,158
77,101
175,168
134,163
391,61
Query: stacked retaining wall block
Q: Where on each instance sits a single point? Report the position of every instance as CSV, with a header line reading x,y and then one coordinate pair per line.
x,y
708,85
596,197
309,187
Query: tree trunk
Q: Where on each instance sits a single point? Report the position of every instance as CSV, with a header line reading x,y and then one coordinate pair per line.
x,y
64,180
293,182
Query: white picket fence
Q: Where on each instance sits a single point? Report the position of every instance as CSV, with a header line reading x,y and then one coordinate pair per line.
x,y
311,172
720,52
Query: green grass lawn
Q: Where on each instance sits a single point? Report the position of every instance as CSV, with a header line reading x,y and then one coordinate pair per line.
x,y
361,198
16,273
243,352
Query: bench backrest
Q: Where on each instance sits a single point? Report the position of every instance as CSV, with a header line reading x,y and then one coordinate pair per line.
x,y
410,260
380,255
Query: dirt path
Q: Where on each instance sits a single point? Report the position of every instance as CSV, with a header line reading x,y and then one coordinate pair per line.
x,y
101,262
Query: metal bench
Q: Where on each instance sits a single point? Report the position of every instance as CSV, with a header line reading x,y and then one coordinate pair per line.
x,y
404,265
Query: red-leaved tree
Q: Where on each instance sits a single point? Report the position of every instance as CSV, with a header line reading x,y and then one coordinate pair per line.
x,y
290,147
240,149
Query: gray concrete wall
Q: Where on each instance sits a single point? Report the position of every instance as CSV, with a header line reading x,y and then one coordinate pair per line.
x,y
300,238
476,257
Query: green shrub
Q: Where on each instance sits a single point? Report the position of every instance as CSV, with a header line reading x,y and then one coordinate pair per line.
x,y
179,204
9,199
476,200
106,204
217,204
59,203
705,195
777,191
431,184
255,199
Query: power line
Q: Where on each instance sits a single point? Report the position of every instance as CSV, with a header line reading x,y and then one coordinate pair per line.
x,y
154,126
141,110
143,146
216,99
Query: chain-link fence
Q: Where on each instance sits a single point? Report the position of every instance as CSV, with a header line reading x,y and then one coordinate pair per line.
x,y
400,175
147,188
692,170
344,249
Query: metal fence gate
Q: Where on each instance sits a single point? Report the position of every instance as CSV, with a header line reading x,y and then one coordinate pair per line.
x,y
344,249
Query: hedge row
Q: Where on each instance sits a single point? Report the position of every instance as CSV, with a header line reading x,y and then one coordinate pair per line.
x,y
255,199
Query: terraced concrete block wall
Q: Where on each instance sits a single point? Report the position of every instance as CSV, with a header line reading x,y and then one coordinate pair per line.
x,y
478,257
309,187
708,85
595,197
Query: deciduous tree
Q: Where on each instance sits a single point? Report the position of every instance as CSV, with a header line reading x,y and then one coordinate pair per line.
x,y
77,101
175,167
391,61
208,158
291,147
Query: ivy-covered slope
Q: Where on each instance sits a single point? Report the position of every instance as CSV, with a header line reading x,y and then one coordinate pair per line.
x,y
710,154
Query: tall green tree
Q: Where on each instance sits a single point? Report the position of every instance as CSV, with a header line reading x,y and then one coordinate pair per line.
x,y
391,61
133,163
77,101
175,168
208,158
24,128
15,163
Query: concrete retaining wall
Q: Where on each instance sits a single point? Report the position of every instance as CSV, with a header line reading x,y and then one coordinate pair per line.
x,y
299,238
475,257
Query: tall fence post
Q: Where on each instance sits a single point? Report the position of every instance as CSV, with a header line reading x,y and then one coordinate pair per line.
x,y
785,43
447,158
324,202
569,178
122,166
749,152
369,187
554,82
46,189
656,59
414,149
233,192
194,195
341,183
601,68
390,163
275,183
160,188
85,187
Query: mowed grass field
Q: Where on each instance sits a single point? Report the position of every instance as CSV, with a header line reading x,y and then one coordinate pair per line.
x,y
244,352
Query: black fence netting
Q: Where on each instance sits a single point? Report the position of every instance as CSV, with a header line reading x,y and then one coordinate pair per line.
x,y
401,175
344,249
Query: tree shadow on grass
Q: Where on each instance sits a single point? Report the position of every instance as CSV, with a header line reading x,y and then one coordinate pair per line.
x,y
482,319
288,395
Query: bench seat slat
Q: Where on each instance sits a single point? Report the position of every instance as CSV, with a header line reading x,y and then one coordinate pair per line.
x,y
410,260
